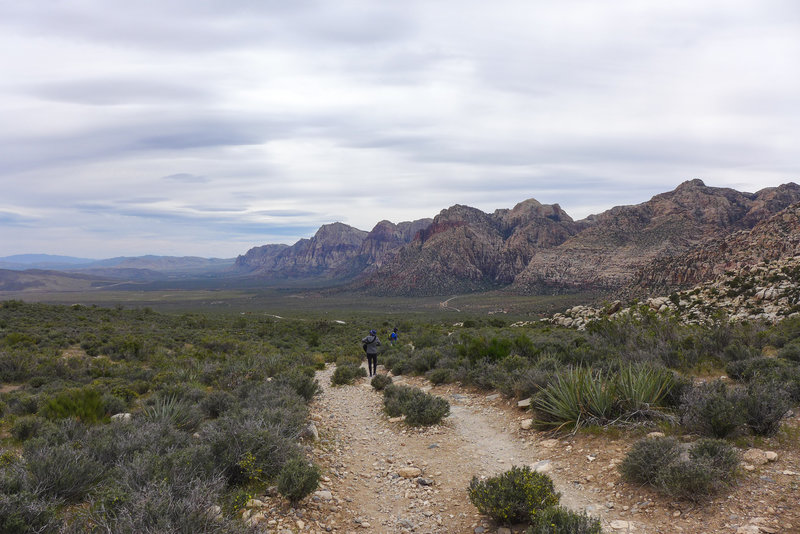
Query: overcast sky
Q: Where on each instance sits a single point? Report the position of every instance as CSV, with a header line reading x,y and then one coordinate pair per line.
x,y
198,127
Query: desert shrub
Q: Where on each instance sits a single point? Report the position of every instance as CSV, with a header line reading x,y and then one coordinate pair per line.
x,y
15,365
420,408
711,409
27,427
765,405
790,352
302,381
424,410
113,404
62,471
297,479
24,512
751,368
380,381
401,366
216,403
170,409
515,496
348,359
719,453
178,505
267,445
84,404
530,381
440,376
393,398
648,457
423,360
346,374
709,467
557,519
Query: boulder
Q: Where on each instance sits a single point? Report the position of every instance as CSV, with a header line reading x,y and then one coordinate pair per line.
x,y
755,457
409,472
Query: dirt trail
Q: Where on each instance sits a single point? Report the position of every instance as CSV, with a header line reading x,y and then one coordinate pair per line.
x,y
364,452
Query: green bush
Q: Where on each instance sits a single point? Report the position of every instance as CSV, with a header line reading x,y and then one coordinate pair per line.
x,y
766,404
62,471
440,376
711,409
559,520
84,404
297,479
379,382
302,381
27,427
648,457
424,410
420,408
516,496
709,467
790,352
346,374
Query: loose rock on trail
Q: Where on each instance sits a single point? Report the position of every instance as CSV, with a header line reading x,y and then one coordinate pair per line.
x,y
386,477
390,477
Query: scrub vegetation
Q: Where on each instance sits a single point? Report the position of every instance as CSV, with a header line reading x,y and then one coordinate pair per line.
x,y
218,402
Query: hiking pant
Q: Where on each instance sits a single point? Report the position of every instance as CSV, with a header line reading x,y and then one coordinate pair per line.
x,y
372,364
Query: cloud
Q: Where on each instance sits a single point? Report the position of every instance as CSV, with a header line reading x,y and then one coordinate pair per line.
x,y
204,118
186,177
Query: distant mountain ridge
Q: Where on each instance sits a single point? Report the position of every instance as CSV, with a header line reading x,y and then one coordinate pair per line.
x,y
148,267
676,239
531,248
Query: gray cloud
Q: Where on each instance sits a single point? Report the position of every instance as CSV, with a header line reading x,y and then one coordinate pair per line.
x,y
187,178
228,125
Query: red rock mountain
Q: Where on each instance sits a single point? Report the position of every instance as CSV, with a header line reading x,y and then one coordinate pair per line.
x,y
623,240
535,248
776,238
336,251
465,249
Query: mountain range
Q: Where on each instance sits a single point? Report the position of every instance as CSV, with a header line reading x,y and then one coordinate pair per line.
x,y
675,239
532,248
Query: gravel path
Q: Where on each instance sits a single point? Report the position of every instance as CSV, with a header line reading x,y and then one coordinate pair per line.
x,y
365,454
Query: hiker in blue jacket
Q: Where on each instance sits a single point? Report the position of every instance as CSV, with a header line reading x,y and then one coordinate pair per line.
x,y
393,336
370,345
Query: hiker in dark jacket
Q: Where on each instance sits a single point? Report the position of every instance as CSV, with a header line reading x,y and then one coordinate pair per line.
x,y
371,344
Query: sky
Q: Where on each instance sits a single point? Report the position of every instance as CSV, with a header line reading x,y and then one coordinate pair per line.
x,y
204,128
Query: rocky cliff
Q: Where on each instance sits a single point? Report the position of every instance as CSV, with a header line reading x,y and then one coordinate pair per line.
x,y
776,238
674,239
465,249
336,251
622,241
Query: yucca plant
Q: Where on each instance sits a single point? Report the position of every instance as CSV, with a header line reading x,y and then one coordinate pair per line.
x,y
171,409
642,389
560,404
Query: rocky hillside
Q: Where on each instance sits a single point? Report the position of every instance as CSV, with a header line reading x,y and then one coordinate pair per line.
x,y
767,291
465,249
775,238
336,251
535,248
624,240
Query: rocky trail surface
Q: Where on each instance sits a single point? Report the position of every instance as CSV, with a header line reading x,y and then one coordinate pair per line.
x,y
383,476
